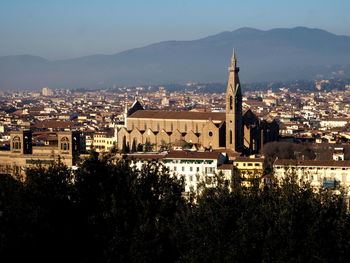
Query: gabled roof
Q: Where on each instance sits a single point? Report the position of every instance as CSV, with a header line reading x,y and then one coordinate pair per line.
x,y
136,106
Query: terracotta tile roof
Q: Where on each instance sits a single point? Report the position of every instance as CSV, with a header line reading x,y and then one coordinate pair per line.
x,y
319,163
145,156
247,159
180,115
53,124
193,155
225,166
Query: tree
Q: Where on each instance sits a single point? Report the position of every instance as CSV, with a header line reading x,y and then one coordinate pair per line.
x,y
139,147
124,146
133,147
108,211
148,146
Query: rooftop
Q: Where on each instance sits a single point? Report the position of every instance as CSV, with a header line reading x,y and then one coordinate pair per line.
x,y
182,115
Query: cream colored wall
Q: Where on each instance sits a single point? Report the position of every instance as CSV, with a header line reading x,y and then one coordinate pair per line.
x,y
168,125
315,175
155,127
17,163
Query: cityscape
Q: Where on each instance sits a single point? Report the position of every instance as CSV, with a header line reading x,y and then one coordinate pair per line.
x,y
221,147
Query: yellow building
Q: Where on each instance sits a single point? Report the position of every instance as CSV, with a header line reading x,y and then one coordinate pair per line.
x,y
103,141
250,170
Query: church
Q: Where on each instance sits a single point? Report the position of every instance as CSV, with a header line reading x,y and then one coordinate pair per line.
x,y
232,131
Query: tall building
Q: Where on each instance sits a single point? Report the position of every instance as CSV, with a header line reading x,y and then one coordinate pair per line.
x,y
233,131
234,128
46,91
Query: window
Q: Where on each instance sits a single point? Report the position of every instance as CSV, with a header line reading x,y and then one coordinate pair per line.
x,y
16,142
257,164
210,133
191,169
183,168
197,169
230,136
231,103
65,144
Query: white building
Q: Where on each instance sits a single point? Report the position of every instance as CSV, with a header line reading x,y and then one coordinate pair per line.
x,y
334,122
194,167
319,173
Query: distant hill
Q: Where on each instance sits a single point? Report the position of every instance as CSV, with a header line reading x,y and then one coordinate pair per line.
x,y
272,55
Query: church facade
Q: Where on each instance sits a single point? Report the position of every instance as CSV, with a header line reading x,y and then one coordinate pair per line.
x,y
231,131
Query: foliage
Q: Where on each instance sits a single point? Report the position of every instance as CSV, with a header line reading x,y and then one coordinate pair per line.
x,y
133,147
107,211
148,146
125,146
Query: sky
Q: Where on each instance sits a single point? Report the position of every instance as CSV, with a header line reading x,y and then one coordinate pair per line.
x,y
60,29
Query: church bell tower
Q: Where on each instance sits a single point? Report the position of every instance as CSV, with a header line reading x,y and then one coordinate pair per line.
x,y
234,128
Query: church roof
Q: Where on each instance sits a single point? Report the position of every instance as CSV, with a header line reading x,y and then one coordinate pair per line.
x,y
180,115
136,106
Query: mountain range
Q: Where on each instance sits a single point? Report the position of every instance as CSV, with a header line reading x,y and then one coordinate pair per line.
x,y
272,55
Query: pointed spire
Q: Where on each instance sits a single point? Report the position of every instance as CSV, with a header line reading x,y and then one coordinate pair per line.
x,y
234,59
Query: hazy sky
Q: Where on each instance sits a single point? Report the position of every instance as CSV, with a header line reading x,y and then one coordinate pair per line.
x,y
58,29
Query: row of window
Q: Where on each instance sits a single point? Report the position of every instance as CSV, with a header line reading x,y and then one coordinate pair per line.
x,y
195,178
251,164
195,169
103,141
189,161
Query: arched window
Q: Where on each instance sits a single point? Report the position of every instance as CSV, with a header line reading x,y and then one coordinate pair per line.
x,y
231,102
16,142
230,136
65,144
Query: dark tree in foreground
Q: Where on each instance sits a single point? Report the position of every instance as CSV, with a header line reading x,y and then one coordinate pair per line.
x,y
108,212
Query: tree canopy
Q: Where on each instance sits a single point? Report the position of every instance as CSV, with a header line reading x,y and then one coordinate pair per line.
x,y
107,211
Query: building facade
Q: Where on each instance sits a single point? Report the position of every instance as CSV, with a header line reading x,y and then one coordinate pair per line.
x,y
319,173
23,154
199,169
